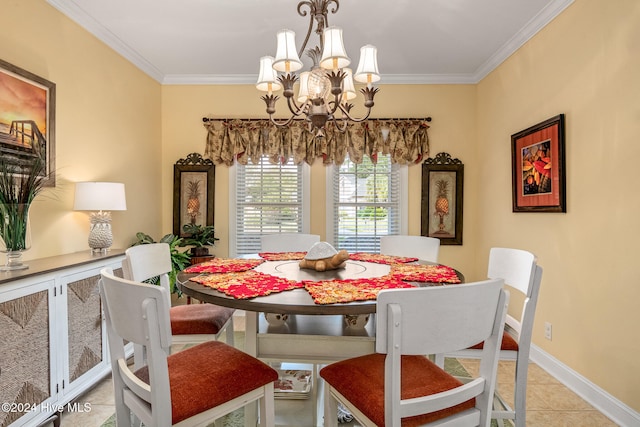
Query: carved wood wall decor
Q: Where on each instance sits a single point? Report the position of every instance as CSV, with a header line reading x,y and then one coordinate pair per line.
x,y
442,198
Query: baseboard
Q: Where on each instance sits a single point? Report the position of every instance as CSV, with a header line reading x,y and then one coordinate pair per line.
x,y
614,409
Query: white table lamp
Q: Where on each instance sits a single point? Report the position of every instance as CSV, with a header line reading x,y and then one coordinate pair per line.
x,y
103,197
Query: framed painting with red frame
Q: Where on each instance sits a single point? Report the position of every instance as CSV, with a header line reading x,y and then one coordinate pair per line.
x,y
27,119
538,155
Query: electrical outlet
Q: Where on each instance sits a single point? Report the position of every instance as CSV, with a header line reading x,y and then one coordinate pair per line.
x,y
547,330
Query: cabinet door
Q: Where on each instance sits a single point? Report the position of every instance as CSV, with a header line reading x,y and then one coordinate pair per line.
x,y
86,354
84,324
26,371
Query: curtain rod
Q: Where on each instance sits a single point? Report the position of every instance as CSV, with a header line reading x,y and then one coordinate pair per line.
x,y
208,119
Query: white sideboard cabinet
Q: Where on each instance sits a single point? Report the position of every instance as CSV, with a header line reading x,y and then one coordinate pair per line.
x,y
52,335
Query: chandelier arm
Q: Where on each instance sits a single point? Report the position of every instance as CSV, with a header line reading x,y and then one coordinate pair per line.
x,y
343,128
334,105
294,108
353,119
280,124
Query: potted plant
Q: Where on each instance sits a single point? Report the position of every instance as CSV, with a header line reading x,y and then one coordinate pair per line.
x,y
19,186
199,237
179,260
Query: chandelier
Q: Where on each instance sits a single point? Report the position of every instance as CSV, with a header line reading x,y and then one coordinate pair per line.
x,y
325,91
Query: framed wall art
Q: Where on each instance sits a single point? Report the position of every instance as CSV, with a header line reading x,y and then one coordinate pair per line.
x,y
27,118
442,199
538,155
193,192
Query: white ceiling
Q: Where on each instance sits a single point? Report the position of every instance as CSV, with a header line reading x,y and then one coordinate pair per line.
x,y
221,41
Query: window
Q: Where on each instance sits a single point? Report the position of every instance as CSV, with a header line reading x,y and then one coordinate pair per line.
x,y
366,201
268,199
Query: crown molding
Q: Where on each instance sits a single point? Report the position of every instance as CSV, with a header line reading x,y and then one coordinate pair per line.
x,y
80,17
210,79
530,29
71,10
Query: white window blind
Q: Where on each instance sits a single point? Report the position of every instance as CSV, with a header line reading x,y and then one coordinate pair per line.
x,y
366,202
269,199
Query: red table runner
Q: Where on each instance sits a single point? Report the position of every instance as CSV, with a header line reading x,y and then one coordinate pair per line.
x,y
424,273
224,265
381,259
282,256
349,290
247,284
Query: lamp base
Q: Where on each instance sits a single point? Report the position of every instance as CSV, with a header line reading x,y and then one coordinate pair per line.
x,y
100,251
100,237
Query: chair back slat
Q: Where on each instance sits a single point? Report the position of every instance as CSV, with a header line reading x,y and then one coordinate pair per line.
x,y
288,242
147,261
435,320
440,319
138,313
125,301
525,325
520,271
514,266
422,247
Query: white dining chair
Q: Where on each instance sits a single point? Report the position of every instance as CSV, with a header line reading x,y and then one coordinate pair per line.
x,y
421,247
190,323
287,242
522,274
398,384
188,388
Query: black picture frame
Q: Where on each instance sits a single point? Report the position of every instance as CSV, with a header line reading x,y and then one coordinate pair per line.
x,y
438,221
193,168
27,118
538,167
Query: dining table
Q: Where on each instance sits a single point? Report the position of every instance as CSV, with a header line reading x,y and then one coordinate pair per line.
x,y
296,325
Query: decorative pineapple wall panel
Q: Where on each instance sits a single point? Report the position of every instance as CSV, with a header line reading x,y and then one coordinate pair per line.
x,y
193,192
442,199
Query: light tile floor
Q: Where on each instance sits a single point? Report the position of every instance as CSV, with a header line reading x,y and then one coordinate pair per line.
x,y
549,403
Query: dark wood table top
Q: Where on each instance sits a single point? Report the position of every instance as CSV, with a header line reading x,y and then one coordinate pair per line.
x,y
296,301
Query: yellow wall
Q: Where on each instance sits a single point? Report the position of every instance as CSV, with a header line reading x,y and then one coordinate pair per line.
x,y
585,64
107,126
452,108
115,123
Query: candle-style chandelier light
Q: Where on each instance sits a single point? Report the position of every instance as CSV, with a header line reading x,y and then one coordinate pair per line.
x,y
325,91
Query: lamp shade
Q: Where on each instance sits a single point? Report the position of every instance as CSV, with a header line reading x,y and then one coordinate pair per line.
x,y
303,91
334,55
100,196
367,71
287,59
267,78
348,89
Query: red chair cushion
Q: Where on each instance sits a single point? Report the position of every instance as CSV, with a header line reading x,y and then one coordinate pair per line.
x,y
361,381
209,374
198,318
508,343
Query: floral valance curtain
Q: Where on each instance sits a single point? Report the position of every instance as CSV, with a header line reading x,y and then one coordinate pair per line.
x,y
248,140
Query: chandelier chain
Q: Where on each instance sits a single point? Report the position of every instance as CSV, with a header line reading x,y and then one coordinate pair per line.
x,y
318,11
